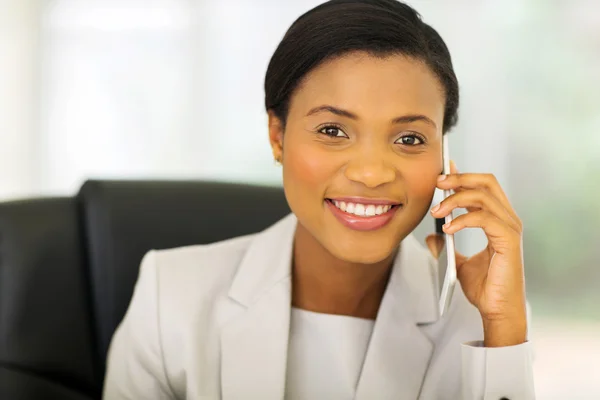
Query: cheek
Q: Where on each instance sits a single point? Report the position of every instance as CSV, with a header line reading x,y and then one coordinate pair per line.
x,y
421,180
306,165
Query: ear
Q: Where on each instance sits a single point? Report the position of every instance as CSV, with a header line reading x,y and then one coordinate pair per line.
x,y
276,130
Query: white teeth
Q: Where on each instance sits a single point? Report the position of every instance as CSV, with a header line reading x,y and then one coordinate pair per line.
x,y
359,210
362,210
350,208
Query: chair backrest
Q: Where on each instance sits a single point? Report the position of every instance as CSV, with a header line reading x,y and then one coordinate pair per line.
x,y
68,267
46,342
123,220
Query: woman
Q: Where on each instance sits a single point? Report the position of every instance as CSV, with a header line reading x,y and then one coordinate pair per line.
x,y
337,300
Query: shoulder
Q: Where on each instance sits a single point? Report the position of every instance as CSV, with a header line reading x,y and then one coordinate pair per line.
x,y
200,277
198,269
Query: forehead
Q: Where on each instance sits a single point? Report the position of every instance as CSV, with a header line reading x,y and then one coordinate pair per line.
x,y
372,86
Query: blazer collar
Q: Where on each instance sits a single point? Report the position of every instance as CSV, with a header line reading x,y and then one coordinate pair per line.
x,y
266,263
254,343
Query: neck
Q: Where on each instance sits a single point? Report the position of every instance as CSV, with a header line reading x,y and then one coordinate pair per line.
x,y
325,284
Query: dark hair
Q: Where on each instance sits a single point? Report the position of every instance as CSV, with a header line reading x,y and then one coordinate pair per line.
x,y
337,27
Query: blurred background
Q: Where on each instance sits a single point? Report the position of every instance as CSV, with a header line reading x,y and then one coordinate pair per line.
x,y
174,89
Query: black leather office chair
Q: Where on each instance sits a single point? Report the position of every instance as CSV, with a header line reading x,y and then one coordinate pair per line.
x,y
68,267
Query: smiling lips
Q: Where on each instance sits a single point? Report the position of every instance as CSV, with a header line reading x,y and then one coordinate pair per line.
x,y
362,214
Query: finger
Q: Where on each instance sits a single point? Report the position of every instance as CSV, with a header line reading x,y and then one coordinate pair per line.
x,y
473,181
454,170
459,182
500,235
460,259
473,200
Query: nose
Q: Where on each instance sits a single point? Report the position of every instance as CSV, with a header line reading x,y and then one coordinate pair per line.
x,y
370,169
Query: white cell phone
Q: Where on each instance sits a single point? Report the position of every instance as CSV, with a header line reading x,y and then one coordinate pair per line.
x,y
447,256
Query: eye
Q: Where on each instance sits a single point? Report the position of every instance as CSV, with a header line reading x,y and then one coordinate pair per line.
x,y
333,131
410,140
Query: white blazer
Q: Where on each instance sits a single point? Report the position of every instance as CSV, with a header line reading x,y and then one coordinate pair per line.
x,y
212,322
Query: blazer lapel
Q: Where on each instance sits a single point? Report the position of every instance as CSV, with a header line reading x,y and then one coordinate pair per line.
x,y
254,344
399,352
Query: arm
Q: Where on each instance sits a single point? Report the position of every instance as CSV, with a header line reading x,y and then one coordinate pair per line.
x,y
135,367
493,281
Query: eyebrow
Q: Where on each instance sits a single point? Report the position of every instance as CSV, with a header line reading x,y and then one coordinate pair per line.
x,y
345,113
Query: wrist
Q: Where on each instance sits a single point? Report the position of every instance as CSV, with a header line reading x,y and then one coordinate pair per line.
x,y
504,332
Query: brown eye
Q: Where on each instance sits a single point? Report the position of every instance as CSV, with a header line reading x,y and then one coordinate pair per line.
x,y
333,131
410,140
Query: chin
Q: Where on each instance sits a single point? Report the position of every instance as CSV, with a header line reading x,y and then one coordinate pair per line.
x,y
362,254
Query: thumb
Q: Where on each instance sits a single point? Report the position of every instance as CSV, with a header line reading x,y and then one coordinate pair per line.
x,y
435,243
460,259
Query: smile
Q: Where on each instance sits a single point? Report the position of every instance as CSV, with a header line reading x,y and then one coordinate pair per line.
x,y
362,210
363,214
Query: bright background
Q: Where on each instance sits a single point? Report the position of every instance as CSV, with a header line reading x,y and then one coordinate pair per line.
x,y
173,89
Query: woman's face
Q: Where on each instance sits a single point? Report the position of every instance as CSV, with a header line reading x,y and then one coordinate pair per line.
x,y
361,152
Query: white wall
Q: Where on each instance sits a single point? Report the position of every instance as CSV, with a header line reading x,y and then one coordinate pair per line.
x,y
19,67
174,89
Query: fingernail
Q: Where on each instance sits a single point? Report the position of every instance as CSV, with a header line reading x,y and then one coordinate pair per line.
x,y
441,178
446,225
435,208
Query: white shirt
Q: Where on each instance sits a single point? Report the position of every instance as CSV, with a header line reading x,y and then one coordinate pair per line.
x,y
325,355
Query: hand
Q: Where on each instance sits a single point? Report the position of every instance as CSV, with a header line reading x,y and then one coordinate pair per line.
x,y
493,279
